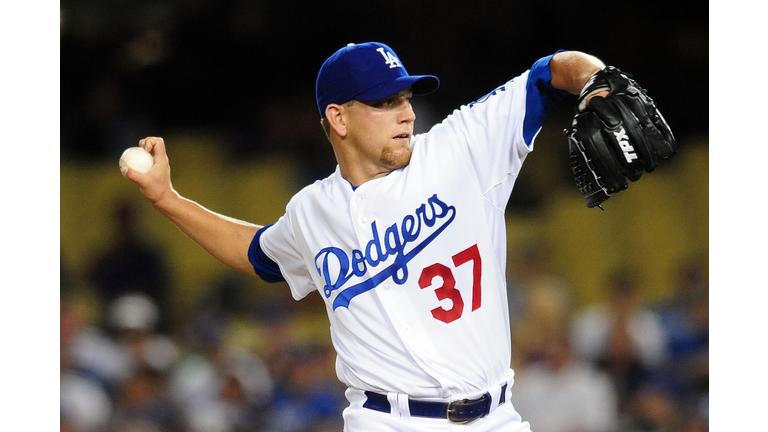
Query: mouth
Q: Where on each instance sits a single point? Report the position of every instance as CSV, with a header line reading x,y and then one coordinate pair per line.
x,y
405,136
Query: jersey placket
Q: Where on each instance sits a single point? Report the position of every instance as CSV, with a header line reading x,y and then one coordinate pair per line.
x,y
363,210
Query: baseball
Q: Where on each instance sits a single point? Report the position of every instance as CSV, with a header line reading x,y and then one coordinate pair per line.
x,y
136,158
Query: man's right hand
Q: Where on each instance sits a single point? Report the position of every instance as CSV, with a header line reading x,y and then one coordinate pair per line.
x,y
156,183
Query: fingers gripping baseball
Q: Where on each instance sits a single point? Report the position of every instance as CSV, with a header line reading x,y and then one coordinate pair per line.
x,y
150,143
155,184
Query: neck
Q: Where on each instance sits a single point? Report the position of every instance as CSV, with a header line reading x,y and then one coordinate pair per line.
x,y
356,174
355,168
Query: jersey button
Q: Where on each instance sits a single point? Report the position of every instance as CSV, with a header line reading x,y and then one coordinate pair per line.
x,y
363,219
406,328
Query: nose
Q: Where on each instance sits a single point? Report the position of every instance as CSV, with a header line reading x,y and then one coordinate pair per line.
x,y
407,115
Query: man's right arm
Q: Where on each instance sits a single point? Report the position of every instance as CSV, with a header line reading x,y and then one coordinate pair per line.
x,y
225,238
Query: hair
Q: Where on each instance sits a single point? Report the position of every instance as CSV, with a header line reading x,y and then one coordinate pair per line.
x,y
326,127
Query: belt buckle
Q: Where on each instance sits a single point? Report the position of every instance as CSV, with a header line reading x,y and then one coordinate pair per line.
x,y
459,419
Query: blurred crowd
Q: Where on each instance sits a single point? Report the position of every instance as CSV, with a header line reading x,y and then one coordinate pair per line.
x,y
126,375
234,365
129,364
622,364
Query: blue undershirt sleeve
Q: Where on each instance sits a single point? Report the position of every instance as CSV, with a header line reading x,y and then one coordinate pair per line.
x,y
541,98
267,269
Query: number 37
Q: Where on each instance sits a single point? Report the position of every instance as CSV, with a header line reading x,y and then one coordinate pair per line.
x,y
448,289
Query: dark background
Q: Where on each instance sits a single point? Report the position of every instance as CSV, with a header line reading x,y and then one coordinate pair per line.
x,y
136,68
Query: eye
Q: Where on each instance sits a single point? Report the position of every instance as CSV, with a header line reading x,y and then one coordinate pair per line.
x,y
383,103
391,101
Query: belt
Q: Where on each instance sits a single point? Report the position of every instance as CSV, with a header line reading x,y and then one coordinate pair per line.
x,y
458,411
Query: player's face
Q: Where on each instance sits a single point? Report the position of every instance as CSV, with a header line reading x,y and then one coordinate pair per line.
x,y
382,130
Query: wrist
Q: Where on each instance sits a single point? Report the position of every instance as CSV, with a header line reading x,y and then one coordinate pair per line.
x,y
594,85
165,202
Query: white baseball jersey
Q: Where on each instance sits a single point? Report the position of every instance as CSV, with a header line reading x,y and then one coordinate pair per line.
x,y
412,265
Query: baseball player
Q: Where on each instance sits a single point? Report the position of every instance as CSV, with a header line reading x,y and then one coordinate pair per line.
x,y
405,241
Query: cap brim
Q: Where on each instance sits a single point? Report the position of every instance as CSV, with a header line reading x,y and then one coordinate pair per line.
x,y
421,85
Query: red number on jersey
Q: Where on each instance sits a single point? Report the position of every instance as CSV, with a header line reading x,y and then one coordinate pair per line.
x,y
448,289
472,254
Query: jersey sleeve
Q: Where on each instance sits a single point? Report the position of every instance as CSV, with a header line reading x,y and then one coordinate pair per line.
x,y
265,267
275,256
498,130
541,98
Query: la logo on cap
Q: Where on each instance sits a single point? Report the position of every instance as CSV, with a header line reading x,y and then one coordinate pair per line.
x,y
390,58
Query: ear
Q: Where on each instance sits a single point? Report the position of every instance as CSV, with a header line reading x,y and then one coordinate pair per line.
x,y
336,119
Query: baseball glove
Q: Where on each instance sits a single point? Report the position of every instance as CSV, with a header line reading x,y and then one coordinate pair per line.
x,y
615,138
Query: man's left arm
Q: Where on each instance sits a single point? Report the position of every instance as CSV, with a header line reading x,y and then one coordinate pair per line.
x,y
615,137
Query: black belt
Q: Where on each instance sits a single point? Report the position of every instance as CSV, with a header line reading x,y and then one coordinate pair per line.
x,y
458,411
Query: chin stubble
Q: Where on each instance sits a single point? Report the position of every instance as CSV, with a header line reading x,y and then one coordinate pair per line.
x,y
395,160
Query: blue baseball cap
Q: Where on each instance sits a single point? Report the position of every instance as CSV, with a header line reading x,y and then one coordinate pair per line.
x,y
366,72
